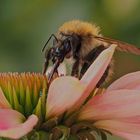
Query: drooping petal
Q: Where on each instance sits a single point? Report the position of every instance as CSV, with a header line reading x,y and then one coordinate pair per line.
x,y
13,124
63,94
69,93
123,129
94,73
128,81
3,101
112,105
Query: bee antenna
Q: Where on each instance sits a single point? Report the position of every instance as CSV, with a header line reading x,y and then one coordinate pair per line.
x,y
52,35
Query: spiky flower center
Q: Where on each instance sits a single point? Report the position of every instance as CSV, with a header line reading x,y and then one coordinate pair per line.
x,y
25,92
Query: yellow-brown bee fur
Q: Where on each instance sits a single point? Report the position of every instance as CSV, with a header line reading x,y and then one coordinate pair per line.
x,y
84,30
79,27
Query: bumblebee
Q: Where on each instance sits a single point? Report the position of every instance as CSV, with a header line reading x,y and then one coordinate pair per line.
x,y
81,42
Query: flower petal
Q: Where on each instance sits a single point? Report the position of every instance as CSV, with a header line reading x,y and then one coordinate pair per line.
x,y
63,94
118,126
14,119
3,101
12,124
94,74
129,81
97,69
112,105
127,136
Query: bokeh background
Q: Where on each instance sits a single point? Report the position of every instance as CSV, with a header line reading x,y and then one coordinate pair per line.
x,y
26,25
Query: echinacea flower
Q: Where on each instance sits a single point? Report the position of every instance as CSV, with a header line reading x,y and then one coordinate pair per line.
x,y
70,108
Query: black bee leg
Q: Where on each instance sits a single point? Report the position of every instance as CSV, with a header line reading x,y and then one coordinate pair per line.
x,y
47,58
103,78
75,69
85,66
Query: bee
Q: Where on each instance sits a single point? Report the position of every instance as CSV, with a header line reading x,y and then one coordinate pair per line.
x,y
81,42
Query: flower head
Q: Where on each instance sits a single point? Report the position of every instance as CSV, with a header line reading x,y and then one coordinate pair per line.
x,y
21,96
69,108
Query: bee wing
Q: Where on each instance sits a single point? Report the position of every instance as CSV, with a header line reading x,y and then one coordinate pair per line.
x,y
121,46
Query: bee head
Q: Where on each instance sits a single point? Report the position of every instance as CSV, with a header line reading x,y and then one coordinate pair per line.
x,y
66,46
61,49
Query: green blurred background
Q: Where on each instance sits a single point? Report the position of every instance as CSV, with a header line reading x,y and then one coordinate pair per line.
x,y
25,25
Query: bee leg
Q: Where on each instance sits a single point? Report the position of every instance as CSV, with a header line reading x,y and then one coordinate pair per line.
x,y
85,66
104,77
75,69
47,58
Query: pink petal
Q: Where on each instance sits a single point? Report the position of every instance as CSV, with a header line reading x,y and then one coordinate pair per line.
x,y
12,124
95,72
69,93
63,94
127,136
112,105
97,69
129,81
10,118
118,127
3,101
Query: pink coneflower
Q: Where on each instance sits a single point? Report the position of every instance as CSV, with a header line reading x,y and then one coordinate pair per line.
x,y
70,108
